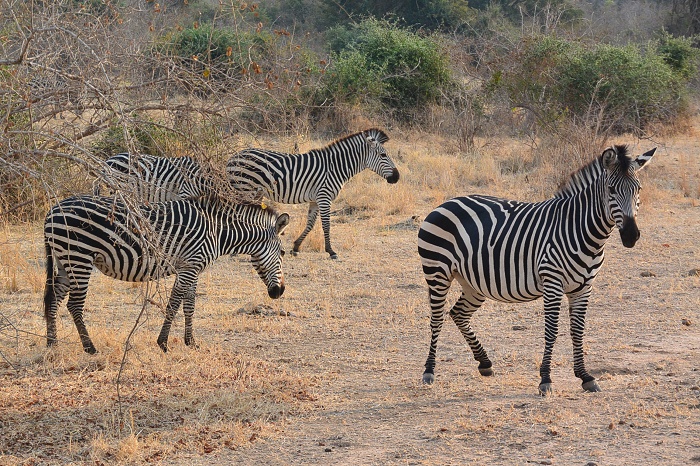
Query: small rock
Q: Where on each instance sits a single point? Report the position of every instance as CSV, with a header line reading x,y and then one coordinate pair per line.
x,y
647,273
328,450
686,322
694,273
519,327
611,426
591,463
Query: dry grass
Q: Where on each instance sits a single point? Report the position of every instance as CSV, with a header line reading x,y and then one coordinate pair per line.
x,y
330,373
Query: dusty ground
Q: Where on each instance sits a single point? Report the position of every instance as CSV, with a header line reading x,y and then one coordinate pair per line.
x,y
349,355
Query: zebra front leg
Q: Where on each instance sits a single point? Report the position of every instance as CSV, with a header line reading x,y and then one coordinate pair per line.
x,y
188,310
553,295
310,221
461,314
76,301
179,290
578,304
325,208
437,295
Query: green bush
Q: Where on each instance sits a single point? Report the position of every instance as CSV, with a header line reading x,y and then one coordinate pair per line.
x,y
378,60
629,86
209,55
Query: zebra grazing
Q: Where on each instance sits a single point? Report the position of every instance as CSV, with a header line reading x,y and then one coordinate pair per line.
x,y
514,251
156,179
315,177
186,236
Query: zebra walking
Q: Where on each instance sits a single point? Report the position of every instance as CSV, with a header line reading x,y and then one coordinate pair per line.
x,y
514,251
315,177
184,237
156,179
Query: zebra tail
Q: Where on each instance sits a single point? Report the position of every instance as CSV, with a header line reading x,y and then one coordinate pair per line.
x,y
49,293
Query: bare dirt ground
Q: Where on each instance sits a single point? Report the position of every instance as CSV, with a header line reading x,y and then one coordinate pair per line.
x,y
344,350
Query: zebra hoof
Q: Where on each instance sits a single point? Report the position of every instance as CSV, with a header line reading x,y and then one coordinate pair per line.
x,y
591,386
334,256
90,350
545,389
294,253
428,378
486,371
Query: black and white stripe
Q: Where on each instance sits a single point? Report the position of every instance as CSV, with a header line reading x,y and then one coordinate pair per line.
x,y
315,177
514,251
155,179
178,237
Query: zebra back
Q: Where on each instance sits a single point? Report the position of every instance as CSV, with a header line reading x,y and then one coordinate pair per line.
x,y
156,179
299,178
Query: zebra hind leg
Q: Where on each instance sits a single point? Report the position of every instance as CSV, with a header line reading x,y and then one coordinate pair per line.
x,y
437,293
55,292
310,221
461,314
76,301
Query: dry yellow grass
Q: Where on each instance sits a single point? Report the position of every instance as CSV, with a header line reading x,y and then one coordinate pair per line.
x,y
330,373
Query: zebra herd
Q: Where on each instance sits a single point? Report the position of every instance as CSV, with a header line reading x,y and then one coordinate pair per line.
x,y
500,249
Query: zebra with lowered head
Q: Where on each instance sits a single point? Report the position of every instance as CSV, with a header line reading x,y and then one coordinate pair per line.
x,y
514,251
156,179
315,177
178,237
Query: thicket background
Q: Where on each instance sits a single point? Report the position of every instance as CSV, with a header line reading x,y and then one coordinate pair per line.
x,y
83,79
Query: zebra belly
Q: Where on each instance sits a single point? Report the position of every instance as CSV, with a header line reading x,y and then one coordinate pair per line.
x,y
136,269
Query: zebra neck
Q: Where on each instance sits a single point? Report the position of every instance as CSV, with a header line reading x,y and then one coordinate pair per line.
x,y
589,218
344,161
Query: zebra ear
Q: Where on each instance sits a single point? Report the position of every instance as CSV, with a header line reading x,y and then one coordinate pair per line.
x,y
641,161
282,222
609,158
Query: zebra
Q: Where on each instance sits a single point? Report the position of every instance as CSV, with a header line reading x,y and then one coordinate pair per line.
x,y
315,177
186,236
515,251
157,179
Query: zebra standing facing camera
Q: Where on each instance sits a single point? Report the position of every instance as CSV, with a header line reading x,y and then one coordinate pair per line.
x,y
514,251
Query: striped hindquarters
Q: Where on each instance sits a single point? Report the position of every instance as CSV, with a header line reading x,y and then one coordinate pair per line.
x,y
493,245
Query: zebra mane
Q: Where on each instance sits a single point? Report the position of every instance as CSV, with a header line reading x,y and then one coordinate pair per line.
x,y
378,134
589,173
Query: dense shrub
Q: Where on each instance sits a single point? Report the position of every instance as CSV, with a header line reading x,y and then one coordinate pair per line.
x,y
378,61
207,56
621,88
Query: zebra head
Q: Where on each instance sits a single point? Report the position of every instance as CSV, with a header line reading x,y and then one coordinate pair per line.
x,y
622,190
377,159
267,258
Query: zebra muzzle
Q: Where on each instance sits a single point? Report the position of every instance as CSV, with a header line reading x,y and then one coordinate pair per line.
x,y
275,291
394,177
629,233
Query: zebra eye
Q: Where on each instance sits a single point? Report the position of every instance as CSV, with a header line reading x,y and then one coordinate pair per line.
x,y
612,190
